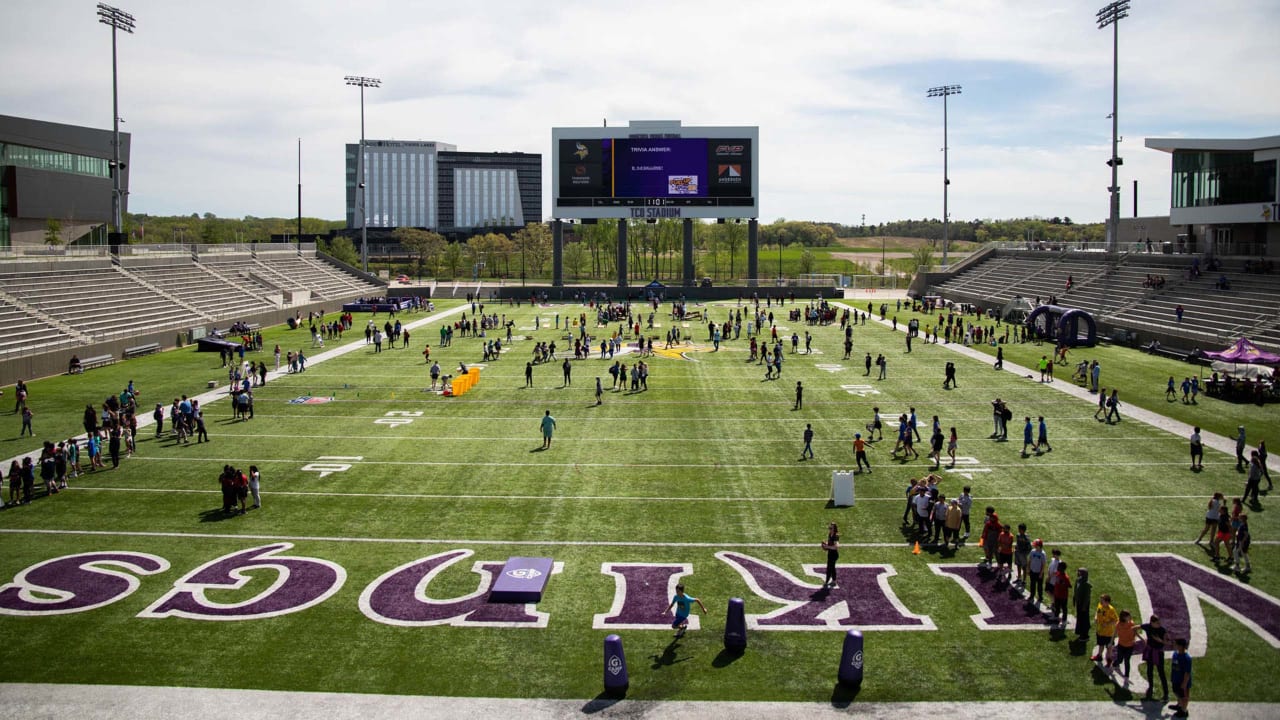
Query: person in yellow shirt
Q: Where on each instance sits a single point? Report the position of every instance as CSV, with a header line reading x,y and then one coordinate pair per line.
x,y
1105,619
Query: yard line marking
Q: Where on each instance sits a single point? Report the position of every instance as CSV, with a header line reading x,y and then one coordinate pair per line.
x,y
714,465
566,543
628,498
436,438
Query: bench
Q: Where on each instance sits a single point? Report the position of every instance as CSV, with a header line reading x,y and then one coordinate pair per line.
x,y
96,361
140,350
1168,352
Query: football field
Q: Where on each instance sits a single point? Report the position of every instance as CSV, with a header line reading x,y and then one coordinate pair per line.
x,y
388,511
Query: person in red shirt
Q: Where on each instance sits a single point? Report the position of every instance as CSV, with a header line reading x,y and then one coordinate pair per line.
x,y
1061,593
1004,554
241,488
990,535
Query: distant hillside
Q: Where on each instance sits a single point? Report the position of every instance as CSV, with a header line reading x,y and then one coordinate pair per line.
x,y
902,244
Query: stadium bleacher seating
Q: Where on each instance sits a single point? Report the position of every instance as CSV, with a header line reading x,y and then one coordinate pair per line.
x,y
46,308
1112,289
22,332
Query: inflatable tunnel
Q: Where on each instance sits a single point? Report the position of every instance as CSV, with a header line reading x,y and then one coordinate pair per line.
x,y
1066,326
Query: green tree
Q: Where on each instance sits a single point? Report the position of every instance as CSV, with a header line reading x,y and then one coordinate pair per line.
x,y
343,250
534,242
922,256
52,232
502,248
422,245
806,261
453,257
575,258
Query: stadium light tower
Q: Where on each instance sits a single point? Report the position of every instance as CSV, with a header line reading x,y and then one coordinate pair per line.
x,y
118,20
362,82
943,91
1111,15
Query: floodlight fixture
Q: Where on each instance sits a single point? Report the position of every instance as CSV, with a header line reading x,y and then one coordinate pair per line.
x,y
362,82
1111,16
943,91
118,20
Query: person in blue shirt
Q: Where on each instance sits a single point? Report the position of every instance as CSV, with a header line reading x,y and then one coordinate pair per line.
x,y
683,604
1027,437
1181,665
1042,438
548,427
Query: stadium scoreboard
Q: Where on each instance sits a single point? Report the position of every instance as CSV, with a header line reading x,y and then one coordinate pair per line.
x,y
651,170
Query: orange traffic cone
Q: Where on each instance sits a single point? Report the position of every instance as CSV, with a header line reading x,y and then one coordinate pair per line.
x,y
916,550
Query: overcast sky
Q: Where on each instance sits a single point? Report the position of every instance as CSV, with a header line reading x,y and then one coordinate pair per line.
x,y
216,95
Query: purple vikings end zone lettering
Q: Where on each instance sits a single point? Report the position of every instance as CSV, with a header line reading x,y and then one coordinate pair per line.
x,y
400,597
301,583
76,583
864,600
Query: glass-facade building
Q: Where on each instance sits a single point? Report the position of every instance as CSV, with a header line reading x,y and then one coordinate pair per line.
x,y
1225,194
1206,178
51,171
426,184
489,190
400,179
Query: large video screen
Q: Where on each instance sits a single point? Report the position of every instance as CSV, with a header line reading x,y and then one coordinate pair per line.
x,y
688,176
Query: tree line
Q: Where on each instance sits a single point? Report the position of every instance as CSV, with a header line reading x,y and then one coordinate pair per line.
x,y
654,249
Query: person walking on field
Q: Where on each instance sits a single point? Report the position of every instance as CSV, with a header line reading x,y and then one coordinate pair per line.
x,y
599,391
1197,450
807,452
832,546
1113,406
1026,438
860,452
548,427
1240,461
799,396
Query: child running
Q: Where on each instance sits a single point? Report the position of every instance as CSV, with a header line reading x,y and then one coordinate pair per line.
x,y
683,604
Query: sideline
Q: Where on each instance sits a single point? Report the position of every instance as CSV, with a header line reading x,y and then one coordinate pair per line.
x,y
538,543
1130,412
118,702
211,396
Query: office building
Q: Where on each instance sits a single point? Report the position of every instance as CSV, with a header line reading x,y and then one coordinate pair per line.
x,y
427,184
51,171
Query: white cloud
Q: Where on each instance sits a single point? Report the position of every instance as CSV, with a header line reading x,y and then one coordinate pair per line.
x,y
216,96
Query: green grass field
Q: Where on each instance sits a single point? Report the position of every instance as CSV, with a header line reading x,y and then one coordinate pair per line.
x,y
703,462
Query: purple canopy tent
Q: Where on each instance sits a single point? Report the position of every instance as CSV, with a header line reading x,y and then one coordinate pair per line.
x,y
1243,351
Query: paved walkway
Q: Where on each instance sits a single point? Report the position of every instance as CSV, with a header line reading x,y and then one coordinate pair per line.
x,y
120,702
220,392
1127,412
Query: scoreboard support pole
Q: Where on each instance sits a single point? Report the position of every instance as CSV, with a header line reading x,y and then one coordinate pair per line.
x,y
557,253
622,253
753,250
688,252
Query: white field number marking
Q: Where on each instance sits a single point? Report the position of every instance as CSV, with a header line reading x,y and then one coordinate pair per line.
x,y
396,418
967,466
829,367
860,390
327,468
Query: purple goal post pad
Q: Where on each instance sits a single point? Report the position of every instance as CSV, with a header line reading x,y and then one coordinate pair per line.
x,y
521,581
